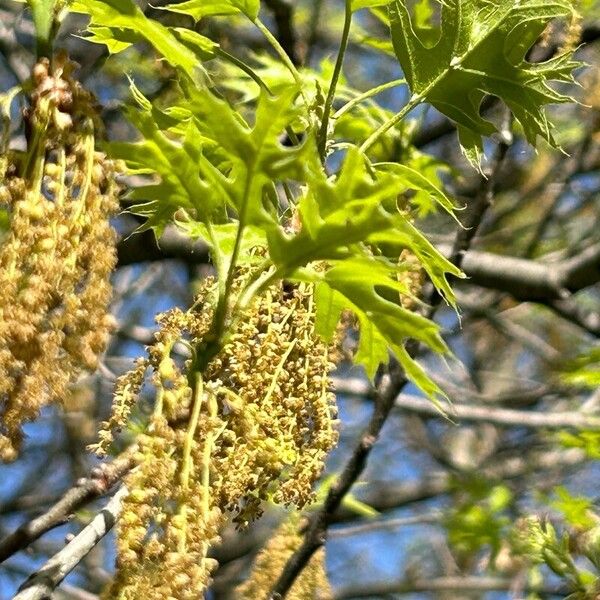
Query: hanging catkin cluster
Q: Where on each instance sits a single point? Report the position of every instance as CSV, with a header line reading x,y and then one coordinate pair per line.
x,y
56,259
311,584
255,425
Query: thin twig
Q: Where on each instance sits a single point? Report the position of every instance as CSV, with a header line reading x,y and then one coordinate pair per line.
x,y
461,585
501,416
283,13
81,494
43,582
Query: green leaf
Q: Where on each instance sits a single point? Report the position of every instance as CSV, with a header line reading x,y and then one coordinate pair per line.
x,y
198,9
363,282
350,501
584,370
372,348
478,50
588,441
115,40
338,214
255,156
420,180
577,510
347,221
362,509
120,23
175,162
222,237
208,159
329,307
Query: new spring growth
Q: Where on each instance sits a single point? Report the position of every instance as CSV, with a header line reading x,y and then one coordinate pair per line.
x,y
312,583
256,425
57,257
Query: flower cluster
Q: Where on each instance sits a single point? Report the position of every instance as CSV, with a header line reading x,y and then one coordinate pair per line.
x,y
311,584
57,257
412,276
254,425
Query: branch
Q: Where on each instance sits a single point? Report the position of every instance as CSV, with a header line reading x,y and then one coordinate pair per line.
x,y
70,592
86,490
588,320
446,584
319,522
42,583
142,247
376,525
533,280
389,496
501,416
525,279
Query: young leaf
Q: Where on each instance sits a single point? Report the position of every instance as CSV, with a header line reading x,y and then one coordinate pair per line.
x,y
329,307
198,9
123,21
480,50
337,217
221,238
176,163
208,158
343,222
359,285
255,154
363,282
420,180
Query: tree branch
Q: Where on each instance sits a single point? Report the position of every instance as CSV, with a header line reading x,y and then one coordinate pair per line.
x,y
86,490
533,280
503,417
446,584
389,496
142,247
42,583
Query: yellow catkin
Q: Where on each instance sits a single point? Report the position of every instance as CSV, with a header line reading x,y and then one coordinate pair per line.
x,y
412,276
572,35
311,584
56,259
257,424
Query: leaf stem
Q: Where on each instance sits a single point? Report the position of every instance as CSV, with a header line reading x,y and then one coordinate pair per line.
x,y
225,292
322,135
191,431
264,277
287,61
240,64
44,15
217,256
366,95
385,127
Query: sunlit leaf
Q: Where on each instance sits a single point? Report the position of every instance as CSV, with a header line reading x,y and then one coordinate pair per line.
x,y
120,23
207,8
478,50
